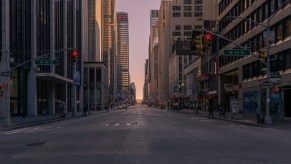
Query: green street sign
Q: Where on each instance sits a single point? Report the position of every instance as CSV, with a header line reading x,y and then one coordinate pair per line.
x,y
237,52
275,75
46,62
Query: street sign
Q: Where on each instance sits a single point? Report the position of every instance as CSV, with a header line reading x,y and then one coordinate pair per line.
x,y
269,36
269,81
266,83
5,73
275,75
46,62
237,52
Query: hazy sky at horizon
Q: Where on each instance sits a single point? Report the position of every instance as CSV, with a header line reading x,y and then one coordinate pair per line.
x,y
139,31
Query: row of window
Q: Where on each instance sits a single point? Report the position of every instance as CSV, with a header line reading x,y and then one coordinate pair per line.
x,y
195,1
282,31
281,62
187,14
186,27
186,33
187,8
259,15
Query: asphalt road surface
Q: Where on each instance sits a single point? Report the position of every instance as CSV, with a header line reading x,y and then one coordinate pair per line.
x,y
146,136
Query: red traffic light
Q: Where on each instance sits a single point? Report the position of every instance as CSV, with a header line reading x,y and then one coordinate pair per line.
x,y
208,37
75,53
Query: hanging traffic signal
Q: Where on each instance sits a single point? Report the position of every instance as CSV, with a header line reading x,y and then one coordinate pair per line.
x,y
75,56
198,41
208,42
262,54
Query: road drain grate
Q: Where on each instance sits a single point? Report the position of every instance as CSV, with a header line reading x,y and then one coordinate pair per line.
x,y
35,144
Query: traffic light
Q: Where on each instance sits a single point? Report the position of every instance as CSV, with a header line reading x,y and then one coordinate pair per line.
x,y
208,42
198,41
75,56
262,54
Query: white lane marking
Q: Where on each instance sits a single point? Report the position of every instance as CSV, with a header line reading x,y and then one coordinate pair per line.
x,y
26,130
128,124
107,125
243,126
116,124
231,125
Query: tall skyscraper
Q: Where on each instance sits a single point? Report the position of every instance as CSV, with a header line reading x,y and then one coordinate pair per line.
x,y
122,57
94,31
109,43
153,54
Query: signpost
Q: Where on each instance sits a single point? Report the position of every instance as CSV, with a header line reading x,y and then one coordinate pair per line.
x,y
237,52
46,62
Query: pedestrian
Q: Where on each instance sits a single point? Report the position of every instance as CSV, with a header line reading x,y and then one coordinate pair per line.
x,y
210,110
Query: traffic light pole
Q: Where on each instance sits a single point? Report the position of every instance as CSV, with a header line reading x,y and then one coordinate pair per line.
x,y
6,58
268,118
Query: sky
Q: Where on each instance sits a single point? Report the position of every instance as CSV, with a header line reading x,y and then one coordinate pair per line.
x,y
139,31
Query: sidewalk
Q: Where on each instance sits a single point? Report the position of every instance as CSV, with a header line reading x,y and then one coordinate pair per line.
x,y
238,118
19,121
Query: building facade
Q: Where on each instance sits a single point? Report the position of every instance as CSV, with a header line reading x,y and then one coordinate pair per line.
x,y
153,55
122,57
38,33
184,17
240,78
163,54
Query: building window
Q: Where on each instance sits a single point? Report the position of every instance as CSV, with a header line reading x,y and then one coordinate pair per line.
x,y
176,8
176,14
187,27
287,27
188,33
198,27
187,14
176,33
187,1
187,8
198,8
279,32
198,2
198,14
177,27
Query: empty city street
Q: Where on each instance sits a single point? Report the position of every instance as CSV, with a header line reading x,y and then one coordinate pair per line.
x,y
144,135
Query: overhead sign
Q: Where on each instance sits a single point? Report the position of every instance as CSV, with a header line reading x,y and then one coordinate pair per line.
x,y
237,52
5,73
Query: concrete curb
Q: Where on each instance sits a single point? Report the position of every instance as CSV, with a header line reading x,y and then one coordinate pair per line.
x,y
41,122
217,118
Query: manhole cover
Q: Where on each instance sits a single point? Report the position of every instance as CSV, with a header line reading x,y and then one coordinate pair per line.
x,y
35,144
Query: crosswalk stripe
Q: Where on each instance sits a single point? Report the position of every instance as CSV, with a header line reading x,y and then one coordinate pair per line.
x,y
25,130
